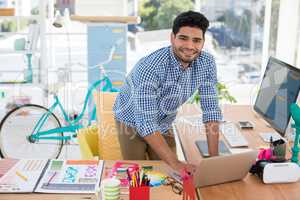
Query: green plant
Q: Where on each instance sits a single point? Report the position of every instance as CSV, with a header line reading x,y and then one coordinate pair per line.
x,y
223,95
159,14
11,25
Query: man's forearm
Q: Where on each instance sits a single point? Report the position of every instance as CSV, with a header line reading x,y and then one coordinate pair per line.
x,y
160,146
212,134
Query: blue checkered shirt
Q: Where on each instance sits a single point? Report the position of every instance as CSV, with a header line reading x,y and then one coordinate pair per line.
x,y
158,85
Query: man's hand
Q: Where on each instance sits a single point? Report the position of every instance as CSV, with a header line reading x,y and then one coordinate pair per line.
x,y
179,166
160,146
212,135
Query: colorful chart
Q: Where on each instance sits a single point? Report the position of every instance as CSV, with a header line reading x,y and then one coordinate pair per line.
x,y
72,176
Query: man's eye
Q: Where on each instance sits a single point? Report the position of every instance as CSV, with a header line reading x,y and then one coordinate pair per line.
x,y
183,38
197,41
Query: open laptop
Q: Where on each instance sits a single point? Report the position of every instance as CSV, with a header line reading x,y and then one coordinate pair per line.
x,y
222,169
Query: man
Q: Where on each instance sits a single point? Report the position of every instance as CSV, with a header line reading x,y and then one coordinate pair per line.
x,y
161,82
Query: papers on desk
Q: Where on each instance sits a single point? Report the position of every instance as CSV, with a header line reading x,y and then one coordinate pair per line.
x,y
53,176
20,175
71,176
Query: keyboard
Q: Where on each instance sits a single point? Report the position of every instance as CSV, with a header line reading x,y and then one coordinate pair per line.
x,y
232,135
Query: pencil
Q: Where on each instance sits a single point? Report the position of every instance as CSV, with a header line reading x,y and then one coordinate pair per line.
x,y
134,181
24,178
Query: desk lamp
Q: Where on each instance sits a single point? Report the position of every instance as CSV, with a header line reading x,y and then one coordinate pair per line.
x,y
58,20
295,111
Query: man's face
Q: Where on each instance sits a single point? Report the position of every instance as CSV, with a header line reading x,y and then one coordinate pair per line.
x,y
187,44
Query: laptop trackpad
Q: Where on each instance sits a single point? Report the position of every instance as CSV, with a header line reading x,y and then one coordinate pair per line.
x,y
203,149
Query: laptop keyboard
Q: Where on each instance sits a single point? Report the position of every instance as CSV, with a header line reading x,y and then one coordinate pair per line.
x,y
232,135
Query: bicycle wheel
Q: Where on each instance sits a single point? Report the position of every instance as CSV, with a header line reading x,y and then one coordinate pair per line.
x,y
17,126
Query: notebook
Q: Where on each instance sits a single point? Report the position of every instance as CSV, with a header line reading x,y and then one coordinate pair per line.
x,y
49,176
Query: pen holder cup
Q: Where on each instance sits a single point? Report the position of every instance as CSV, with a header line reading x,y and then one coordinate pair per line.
x,y
279,149
138,193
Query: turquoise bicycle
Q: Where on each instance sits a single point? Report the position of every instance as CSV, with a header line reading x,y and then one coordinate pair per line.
x,y
33,131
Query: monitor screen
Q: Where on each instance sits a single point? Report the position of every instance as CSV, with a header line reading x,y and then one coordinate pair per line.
x,y
279,88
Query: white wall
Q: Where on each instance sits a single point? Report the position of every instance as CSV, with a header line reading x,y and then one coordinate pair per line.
x,y
298,48
266,39
101,8
288,27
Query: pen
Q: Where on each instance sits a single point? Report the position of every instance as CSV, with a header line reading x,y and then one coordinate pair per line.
x,y
147,182
141,177
144,179
271,142
138,178
50,179
128,175
24,178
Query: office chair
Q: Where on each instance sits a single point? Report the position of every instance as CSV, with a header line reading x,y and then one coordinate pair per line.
x,y
88,143
108,142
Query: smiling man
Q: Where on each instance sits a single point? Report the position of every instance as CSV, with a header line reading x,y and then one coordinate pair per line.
x,y
158,85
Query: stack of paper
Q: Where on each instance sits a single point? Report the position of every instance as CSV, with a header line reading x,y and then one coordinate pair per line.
x,y
53,176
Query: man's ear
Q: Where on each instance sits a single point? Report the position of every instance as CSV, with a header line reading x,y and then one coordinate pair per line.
x,y
172,37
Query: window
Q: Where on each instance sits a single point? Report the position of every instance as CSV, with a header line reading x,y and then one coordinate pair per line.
x,y
236,40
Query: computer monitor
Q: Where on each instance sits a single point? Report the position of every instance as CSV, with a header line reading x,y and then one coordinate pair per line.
x,y
279,88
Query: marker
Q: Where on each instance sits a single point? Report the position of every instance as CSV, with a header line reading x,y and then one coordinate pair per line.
x,y
24,178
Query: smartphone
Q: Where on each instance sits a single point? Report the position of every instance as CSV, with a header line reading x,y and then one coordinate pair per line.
x,y
246,124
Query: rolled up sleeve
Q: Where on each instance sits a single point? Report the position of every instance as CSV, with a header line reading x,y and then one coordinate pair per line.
x,y
146,102
209,96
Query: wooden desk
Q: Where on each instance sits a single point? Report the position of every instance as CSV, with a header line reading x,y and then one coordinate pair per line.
x,y
37,196
156,193
250,188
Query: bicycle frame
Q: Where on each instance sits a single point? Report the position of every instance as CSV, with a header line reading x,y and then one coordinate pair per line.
x,y
74,124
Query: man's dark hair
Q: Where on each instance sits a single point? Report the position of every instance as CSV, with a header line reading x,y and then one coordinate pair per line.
x,y
191,19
